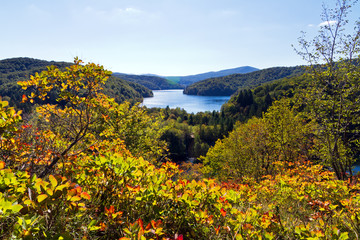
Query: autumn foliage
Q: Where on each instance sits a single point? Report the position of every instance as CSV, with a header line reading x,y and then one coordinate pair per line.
x,y
88,168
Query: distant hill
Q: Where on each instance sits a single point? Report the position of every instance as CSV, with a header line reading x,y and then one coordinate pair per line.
x,y
187,80
19,69
227,85
150,81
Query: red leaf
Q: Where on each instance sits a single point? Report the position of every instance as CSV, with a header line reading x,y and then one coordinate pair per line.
x,y
140,221
180,237
111,210
148,226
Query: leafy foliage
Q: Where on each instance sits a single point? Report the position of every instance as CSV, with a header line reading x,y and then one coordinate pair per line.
x,y
252,148
191,135
333,96
140,132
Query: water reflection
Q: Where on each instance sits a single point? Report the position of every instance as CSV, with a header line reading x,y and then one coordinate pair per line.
x,y
191,104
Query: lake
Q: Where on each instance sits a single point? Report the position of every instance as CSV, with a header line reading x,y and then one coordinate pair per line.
x,y
191,103
356,168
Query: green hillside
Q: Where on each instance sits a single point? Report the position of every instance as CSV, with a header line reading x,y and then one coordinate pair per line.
x,y
247,103
227,85
20,69
151,82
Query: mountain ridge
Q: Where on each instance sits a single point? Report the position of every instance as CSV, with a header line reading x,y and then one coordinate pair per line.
x,y
190,79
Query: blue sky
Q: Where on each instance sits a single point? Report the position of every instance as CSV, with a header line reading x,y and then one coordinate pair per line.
x,y
165,37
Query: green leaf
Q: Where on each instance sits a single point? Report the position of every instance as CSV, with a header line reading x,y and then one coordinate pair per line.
x,y
344,236
269,235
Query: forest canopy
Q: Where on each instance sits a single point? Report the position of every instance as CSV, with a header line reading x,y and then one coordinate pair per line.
x,y
20,69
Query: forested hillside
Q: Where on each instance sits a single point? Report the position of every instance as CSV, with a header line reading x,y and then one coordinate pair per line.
x,y
151,82
227,85
19,69
249,102
187,80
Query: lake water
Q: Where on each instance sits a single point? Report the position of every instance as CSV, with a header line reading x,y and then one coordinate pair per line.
x,y
356,168
191,103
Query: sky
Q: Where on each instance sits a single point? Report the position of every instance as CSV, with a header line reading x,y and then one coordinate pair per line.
x,y
164,37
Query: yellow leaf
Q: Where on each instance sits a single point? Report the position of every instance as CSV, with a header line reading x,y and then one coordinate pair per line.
x,y
49,191
21,190
42,197
28,202
53,181
75,198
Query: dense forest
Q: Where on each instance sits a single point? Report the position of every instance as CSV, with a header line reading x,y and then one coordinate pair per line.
x,y
227,85
151,82
274,163
20,69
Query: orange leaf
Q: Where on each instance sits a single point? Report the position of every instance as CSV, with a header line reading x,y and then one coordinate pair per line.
x,y
248,226
102,226
24,98
156,224
223,212
217,230
72,192
78,189
2,164
85,195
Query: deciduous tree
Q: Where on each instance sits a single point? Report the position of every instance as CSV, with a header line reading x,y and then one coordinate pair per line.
x,y
333,97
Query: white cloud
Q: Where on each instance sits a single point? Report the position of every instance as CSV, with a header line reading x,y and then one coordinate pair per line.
x,y
112,14
132,10
228,12
326,23
311,25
